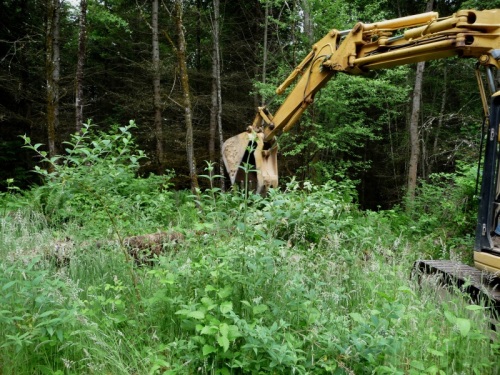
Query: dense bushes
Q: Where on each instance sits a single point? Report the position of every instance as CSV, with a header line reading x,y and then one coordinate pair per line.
x,y
97,180
446,208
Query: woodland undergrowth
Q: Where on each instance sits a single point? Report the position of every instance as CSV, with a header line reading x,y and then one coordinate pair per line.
x,y
298,282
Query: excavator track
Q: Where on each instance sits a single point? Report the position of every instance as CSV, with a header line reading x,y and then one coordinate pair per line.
x,y
482,286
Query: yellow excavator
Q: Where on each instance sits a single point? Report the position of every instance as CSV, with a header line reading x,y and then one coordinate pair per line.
x,y
381,45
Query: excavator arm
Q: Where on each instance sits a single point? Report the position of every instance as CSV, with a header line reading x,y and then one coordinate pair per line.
x,y
364,48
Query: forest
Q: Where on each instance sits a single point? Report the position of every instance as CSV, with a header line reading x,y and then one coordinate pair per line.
x,y
124,249
120,62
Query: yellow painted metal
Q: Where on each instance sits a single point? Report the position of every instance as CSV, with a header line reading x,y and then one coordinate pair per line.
x,y
482,94
298,70
431,28
487,262
400,23
314,77
266,164
411,55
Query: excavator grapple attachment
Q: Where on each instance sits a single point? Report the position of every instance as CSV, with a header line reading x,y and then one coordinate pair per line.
x,y
250,163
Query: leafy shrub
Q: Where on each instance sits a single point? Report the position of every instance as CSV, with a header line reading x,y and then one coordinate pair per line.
x,y
446,207
96,180
37,318
305,215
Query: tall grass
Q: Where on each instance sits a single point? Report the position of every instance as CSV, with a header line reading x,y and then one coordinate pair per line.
x,y
301,282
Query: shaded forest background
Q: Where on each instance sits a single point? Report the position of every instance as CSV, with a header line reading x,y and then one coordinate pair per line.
x,y
357,128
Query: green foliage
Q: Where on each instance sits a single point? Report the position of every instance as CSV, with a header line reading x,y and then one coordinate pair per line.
x,y
9,199
254,300
300,281
305,216
351,114
33,311
42,323
481,4
96,180
446,205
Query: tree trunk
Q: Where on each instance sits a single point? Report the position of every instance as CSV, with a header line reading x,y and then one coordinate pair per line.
x,y
82,38
157,89
308,25
435,145
52,66
414,128
198,35
214,101
181,54
216,109
311,156
219,92
414,132
264,54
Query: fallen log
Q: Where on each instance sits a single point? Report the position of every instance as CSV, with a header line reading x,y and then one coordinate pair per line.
x,y
145,248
